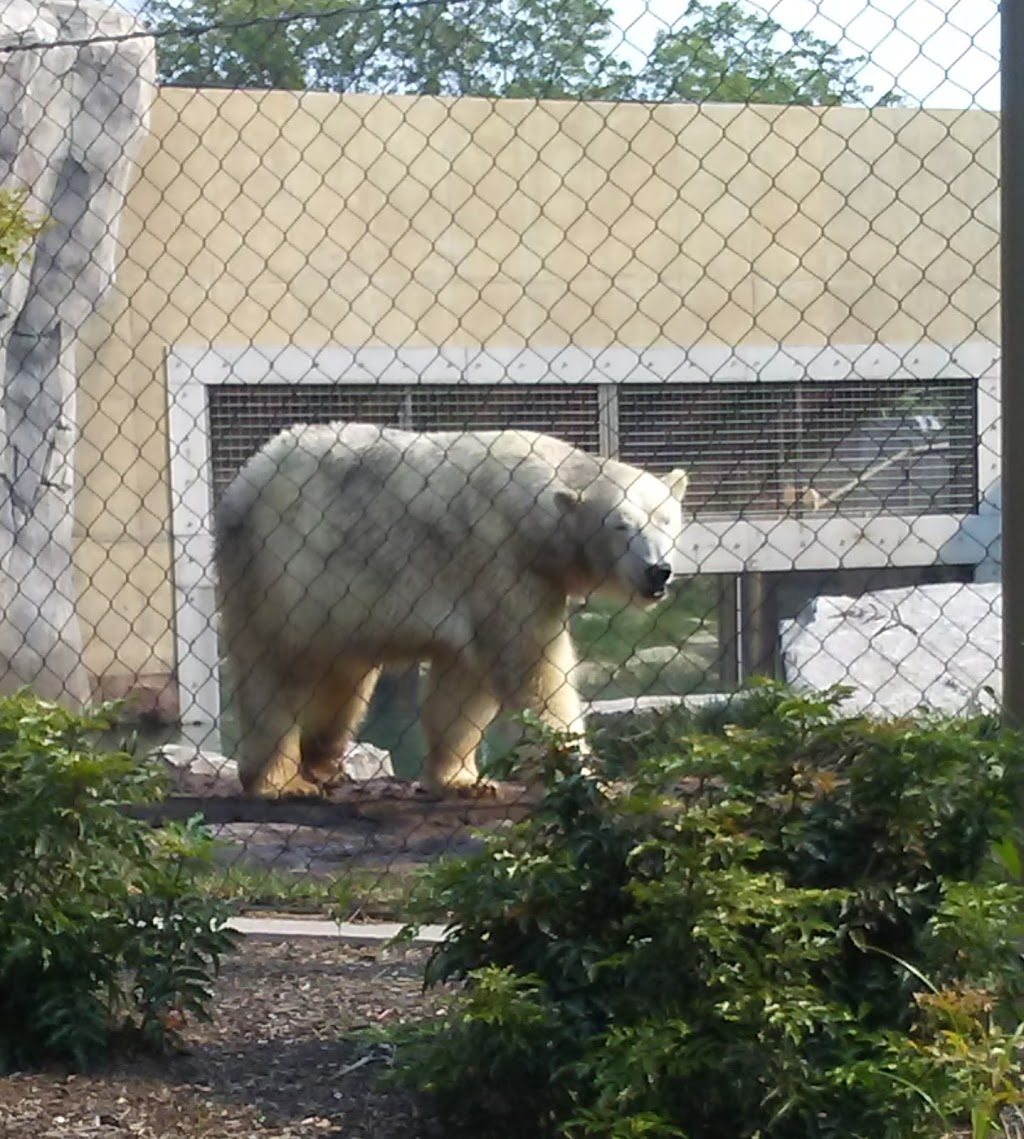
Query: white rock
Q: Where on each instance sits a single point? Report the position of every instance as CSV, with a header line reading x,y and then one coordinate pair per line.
x,y
365,761
361,761
934,645
187,758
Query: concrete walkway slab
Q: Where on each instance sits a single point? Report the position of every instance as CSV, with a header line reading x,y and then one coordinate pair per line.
x,y
369,933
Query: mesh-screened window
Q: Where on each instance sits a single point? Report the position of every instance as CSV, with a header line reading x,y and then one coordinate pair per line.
x,y
898,446
243,418
759,448
568,411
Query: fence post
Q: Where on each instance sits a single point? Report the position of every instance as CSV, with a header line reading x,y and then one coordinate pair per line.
x,y
1012,361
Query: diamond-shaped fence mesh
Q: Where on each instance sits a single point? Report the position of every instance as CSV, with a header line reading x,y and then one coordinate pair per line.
x,y
544,257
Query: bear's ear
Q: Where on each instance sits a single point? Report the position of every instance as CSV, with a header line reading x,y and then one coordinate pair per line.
x,y
567,500
677,482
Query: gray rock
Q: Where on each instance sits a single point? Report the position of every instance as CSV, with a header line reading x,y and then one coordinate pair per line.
x,y
934,645
74,107
655,655
362,761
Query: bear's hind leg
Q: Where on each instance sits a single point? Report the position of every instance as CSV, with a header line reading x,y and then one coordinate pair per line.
x,y
334,710
457,709
268,746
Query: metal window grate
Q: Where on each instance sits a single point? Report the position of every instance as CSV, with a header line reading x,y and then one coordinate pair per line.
x,y
750,448
242,417
755,448
570,412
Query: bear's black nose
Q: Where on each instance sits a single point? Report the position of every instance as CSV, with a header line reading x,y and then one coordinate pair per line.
x,y
657,577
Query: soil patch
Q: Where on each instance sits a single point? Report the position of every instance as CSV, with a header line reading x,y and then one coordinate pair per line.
x,y
278,1061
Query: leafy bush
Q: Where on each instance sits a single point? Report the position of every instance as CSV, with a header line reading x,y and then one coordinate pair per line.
x,y
783,928
17,226
103,934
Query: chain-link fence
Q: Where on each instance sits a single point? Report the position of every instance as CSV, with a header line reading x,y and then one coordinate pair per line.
x,y
754,242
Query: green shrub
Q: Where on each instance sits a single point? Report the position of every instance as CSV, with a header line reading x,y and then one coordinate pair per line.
x,y
741,941
103,934
17,226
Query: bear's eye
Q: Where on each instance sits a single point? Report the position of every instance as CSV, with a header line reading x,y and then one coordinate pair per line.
x,y
621,526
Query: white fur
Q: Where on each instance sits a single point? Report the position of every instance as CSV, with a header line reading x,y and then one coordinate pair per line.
x,y
343,548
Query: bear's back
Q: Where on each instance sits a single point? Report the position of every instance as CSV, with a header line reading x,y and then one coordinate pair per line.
x,y
493,489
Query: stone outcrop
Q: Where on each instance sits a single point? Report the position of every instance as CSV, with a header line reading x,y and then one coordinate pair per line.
x,y
77,79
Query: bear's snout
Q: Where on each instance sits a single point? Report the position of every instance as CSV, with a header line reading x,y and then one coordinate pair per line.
x,y
656,578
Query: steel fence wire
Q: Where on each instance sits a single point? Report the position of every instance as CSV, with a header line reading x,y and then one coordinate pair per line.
x,y
374,372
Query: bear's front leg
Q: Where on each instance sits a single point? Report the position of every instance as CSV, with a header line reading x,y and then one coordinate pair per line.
x,y
539,676
457,708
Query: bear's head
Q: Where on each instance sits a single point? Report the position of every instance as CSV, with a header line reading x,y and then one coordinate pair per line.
x,y
624,528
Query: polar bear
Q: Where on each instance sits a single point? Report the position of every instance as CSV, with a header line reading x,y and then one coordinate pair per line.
x,y
342,548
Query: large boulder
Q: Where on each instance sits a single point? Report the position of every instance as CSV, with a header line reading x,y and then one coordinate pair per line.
x,y
900,649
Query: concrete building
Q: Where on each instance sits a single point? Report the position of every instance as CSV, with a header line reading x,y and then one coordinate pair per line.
x,y
748,291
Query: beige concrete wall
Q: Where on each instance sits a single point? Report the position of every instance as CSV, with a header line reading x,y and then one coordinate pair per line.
x,y
274,218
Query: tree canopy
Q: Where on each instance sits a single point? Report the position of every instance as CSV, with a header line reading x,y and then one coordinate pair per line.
x,y
717,52
726,53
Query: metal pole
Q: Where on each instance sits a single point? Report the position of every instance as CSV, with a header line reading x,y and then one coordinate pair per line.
x,y
1012,356
760,624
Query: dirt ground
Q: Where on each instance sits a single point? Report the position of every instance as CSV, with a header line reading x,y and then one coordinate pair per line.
x,y
277,1062
369,824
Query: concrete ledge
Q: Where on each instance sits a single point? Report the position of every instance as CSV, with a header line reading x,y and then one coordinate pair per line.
x,y
633,704
367,933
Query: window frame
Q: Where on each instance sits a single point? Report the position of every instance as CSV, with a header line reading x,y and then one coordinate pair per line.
x,y
709,545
